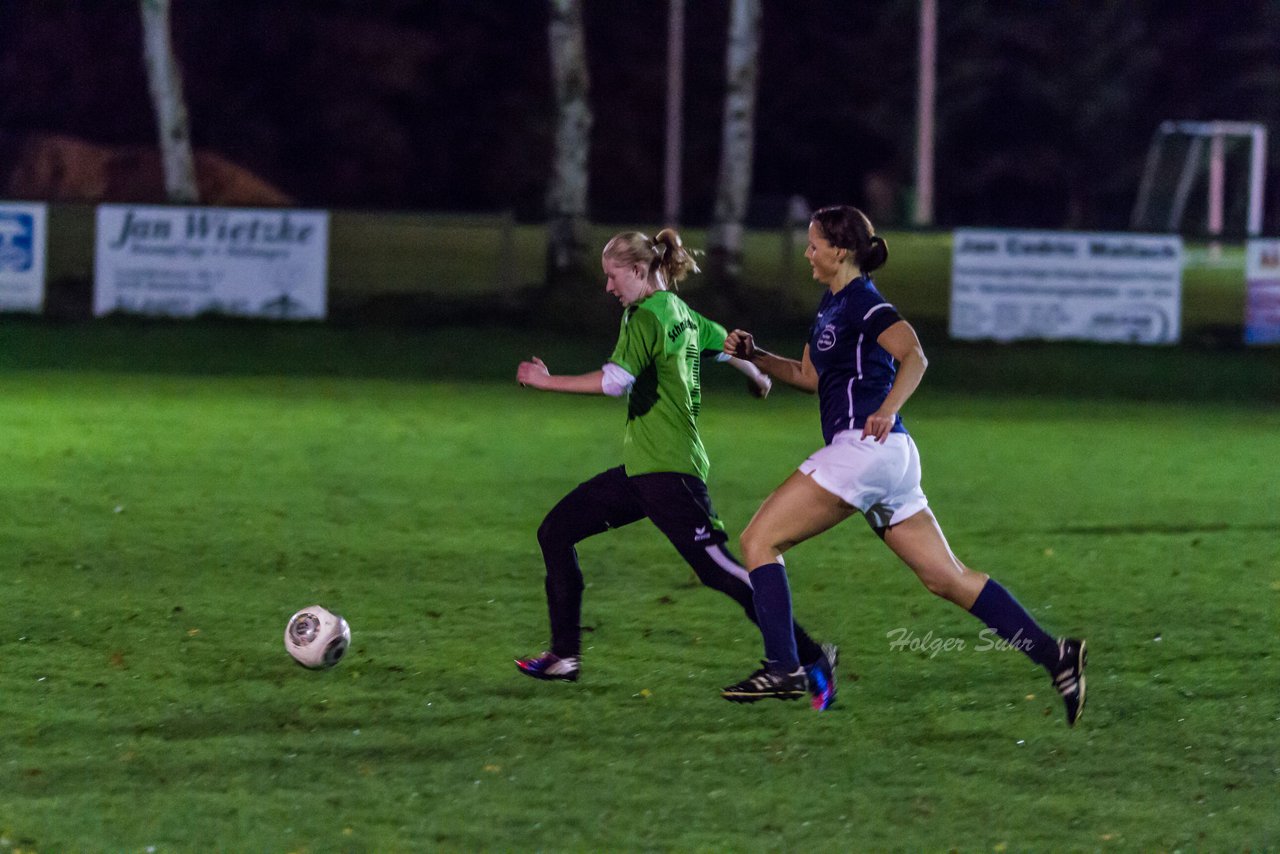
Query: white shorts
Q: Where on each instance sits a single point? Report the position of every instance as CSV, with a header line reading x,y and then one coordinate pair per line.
x,y
882,481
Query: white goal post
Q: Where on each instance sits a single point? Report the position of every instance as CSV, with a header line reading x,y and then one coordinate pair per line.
x,y
1216,134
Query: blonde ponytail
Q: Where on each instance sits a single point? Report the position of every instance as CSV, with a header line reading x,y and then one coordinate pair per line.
x,y
664,256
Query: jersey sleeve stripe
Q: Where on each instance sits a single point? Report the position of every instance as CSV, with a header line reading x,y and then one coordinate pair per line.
x,y
883,319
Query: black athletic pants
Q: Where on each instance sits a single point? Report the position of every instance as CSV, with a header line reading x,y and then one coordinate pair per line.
x,y
678,505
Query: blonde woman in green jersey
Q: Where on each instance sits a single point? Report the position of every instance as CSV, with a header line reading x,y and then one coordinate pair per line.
x,y
655,365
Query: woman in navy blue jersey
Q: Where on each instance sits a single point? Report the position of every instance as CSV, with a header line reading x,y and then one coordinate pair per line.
x,y
865,361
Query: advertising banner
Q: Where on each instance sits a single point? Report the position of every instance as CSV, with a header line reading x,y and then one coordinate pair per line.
x,y
23,235
186,261
1262,292
1009,285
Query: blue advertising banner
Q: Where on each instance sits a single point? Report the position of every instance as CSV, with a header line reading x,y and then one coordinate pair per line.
x,y
1262,292
23,235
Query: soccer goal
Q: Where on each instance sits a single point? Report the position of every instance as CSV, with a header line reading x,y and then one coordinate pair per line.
x,y
1182,155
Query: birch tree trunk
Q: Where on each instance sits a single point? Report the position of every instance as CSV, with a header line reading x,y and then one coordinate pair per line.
x,y
164,78
724,243
567,189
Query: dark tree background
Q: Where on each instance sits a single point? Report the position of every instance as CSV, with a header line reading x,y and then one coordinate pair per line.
x,y
1045,107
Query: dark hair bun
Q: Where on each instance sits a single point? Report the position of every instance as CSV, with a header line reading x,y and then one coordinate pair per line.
x,y
877,254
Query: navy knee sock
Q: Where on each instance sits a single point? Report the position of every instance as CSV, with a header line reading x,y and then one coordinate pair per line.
x,y
772,597
997,608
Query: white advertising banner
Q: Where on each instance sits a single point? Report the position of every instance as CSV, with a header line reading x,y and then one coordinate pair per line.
x,y
23,236
1055,285
1262,292
186,261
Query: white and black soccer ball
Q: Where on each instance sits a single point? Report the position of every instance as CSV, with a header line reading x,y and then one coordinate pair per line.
x,y
317,638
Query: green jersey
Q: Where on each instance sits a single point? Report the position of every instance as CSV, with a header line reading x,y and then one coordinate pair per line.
x,y
660,344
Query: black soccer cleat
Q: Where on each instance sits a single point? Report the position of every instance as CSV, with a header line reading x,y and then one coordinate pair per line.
x,y
549,666
1068,676
765,683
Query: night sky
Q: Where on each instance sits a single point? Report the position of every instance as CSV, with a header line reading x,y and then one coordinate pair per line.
x,y
1045,108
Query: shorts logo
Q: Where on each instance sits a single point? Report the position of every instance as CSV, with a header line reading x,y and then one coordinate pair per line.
x,y
827,339
700,534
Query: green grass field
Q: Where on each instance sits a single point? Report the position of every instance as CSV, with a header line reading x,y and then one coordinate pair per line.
x,y
172,492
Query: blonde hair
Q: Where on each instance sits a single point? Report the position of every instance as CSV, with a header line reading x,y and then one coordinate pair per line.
x,y
663,256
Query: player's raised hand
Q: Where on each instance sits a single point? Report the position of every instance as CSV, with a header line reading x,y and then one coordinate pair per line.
x,y
740,344
532,373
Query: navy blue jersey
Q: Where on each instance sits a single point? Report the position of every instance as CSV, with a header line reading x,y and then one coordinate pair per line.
x,y
854,372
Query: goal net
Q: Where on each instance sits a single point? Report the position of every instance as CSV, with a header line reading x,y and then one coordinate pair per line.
x,y
1203,177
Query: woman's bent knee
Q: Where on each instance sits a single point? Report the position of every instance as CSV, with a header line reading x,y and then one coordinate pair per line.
x,y
758,548
938,585
551,532
958,585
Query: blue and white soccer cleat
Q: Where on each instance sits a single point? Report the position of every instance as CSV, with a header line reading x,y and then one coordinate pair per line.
x,y
549,666
822,678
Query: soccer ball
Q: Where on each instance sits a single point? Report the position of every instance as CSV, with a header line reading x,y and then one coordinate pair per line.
x,y
317,638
